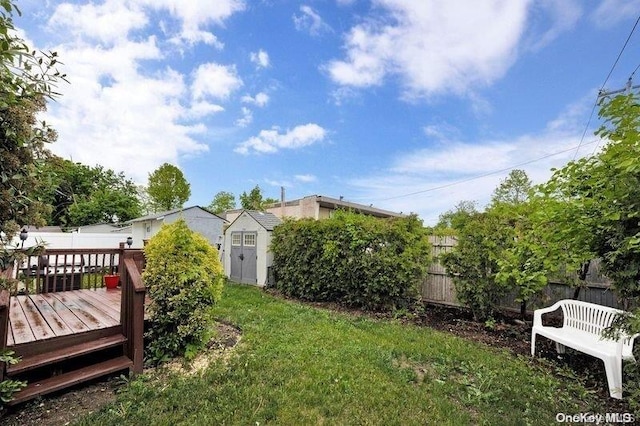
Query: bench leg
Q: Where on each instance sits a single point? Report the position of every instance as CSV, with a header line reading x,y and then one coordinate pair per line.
x,y
613,368
560,348
533,344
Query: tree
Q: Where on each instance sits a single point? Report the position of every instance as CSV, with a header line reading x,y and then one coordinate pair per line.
x,y
456,218
27,80
599,197
167,188
514,189
82,195
254,201
521,262
222,201
104,206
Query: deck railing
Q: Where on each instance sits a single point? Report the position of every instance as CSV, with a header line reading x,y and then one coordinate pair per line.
x,y
65,269
5,301
132,308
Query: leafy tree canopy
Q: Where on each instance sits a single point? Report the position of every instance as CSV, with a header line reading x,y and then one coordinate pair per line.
x,y
456,218
514,189
222,201
83,195
598,198
254,201
27,79
168,189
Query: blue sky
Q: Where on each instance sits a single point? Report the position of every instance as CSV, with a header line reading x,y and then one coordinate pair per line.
x,y
370,100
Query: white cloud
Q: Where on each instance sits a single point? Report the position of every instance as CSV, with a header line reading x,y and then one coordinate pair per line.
x,y
122,110
260,59
215,80
310,21
306,178
612,12
130,125
105,23
246,119
195,15
278,183
202,109
271,141
260,100
563,14
441,175
432,46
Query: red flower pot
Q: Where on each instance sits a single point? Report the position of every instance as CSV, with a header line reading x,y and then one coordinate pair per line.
x,y
111,281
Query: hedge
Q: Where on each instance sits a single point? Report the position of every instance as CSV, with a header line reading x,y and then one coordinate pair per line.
x,y
355,260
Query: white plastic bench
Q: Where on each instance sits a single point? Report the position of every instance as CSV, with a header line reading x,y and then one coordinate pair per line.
x,y
582,330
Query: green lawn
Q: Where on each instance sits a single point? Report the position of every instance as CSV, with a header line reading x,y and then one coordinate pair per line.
x,y
300,365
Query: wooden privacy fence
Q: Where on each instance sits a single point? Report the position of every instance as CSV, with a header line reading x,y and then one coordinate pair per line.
x,y
438,287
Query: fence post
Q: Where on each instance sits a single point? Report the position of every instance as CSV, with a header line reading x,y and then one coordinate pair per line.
x,y
5,302
121,262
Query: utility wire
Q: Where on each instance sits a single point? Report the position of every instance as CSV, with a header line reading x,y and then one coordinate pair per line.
x,y
447,185
595,103
634,72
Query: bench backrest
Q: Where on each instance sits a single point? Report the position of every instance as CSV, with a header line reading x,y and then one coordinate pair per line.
x,y
587,317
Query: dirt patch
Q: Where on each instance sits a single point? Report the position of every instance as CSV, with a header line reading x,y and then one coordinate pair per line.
x,y
64,408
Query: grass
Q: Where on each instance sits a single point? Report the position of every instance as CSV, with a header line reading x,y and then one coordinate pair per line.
x,y
297,365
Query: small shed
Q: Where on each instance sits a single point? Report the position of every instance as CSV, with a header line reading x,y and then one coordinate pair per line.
x,y
198,220
246,247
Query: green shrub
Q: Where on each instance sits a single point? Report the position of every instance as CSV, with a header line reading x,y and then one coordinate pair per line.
x,y
184,278
8,387
473,264
356,260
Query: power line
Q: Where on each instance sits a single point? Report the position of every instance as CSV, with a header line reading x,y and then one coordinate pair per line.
x,y
595,103
447,185
634,72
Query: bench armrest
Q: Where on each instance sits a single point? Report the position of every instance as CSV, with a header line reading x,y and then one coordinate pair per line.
x,y
537,314
620,343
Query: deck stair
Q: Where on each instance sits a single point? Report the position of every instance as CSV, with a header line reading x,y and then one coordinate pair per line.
x,y
68,365
68,336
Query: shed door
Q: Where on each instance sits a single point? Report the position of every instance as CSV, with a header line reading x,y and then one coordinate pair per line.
x,y
244,257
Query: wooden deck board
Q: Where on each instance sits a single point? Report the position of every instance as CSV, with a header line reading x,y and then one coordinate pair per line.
x,y
68,317
38,324
47,315
18,322
10,341
104,302
91,316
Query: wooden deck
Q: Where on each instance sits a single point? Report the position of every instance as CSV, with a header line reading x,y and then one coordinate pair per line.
x,y
65,337
44,316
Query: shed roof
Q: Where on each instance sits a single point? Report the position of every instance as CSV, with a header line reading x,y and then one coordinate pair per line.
x,y
161,215
265,219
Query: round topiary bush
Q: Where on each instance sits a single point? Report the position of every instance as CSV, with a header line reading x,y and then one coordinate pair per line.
x,y
184,278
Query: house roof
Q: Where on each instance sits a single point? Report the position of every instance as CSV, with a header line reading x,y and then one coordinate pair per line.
x,y
265,219
348,205
340,203
104,228
161,215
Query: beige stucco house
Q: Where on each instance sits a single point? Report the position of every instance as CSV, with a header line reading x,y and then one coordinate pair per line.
x,y
317,207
